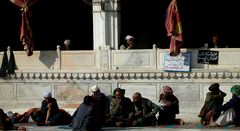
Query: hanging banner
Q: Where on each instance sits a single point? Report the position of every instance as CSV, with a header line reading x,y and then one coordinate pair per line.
x,y
181,62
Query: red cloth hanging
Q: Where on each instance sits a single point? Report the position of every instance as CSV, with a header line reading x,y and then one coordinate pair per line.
x,y
26,31
174,28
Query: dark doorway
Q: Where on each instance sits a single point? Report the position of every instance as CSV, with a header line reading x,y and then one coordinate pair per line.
x,y
145,20
52,22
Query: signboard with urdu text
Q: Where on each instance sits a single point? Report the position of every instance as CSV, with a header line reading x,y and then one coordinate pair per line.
x,y
181,62
207,57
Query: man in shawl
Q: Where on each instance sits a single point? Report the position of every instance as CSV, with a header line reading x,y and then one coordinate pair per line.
x,y
121,109
169,105
144,111
84,120
214,99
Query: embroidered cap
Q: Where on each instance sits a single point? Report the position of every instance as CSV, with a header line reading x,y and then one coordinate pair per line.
x,y
94,88
167,90
236,90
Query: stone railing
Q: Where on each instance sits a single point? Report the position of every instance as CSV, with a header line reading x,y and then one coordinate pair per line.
x,y
103,60
117,75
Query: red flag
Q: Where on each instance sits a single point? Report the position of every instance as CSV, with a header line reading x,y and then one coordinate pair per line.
x,y
174,28
25,32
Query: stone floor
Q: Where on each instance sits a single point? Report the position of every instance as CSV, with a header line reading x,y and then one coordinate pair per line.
x,y
59,128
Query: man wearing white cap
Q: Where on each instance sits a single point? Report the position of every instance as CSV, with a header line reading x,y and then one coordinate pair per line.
x,y
129,43
101,105
49,114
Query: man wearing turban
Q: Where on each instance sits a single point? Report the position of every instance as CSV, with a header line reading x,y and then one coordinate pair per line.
x,y
214,99
169,104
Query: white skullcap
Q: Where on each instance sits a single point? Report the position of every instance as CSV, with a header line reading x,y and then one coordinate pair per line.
x,y
94,88
129,37
47,94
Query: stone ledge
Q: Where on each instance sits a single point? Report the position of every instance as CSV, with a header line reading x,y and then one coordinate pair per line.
x,y
122,75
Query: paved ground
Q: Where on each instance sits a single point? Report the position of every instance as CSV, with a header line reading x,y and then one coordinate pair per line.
x,y
56,128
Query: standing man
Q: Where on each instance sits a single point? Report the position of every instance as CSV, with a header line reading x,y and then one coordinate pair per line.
x,y
144,111
214,98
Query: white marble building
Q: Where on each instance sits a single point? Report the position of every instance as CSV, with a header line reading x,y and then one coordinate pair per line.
x,y
70,74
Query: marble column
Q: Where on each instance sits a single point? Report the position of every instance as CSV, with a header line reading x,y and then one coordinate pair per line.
x,y
106,24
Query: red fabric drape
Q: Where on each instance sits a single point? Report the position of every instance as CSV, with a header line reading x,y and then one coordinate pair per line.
x,y
174,28
26,32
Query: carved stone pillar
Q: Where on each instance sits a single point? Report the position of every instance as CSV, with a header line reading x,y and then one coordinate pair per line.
x,y
106,23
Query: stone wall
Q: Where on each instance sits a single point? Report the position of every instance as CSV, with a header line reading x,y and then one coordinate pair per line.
x,y
70,74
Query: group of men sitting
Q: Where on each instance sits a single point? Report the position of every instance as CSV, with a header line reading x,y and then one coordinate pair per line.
x,y
117,110
99,110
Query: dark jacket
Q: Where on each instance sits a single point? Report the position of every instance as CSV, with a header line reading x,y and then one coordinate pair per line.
x,y
167,114
55,115
212,101
122,108
5,122
148,115
54,109
234,103
84,119
150,109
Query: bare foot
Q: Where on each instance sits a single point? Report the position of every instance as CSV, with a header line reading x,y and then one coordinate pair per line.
x,y
181,122
213,124
21,128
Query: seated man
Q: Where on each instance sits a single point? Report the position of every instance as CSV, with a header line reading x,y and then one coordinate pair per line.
x,y
144,111
49,114
101,105
85,116
24,118
6,123
231,110
121,109
214,99
169,105
129,43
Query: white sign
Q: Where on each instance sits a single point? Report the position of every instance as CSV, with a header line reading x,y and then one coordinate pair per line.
x,y
177,63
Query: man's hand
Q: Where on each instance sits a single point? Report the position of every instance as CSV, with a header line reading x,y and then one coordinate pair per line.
x,y
139,113
49,105
209,114
47,122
